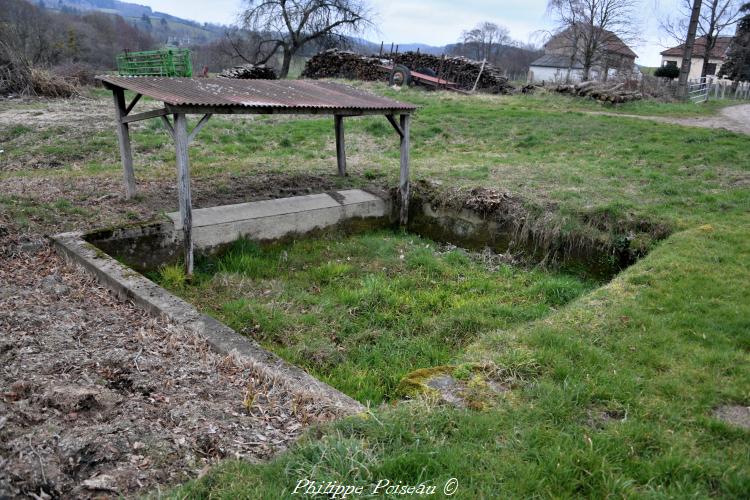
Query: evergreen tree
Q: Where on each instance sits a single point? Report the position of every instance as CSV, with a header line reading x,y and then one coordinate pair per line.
x,y
737,65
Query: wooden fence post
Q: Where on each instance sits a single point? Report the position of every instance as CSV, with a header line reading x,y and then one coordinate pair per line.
x,y
181,143
404,180
123,137
338,121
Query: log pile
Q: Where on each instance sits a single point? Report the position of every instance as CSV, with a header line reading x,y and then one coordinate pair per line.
x,y
458,69
249,72
334,63
601,91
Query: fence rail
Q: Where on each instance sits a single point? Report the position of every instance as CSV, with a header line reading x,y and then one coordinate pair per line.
x,y
698,90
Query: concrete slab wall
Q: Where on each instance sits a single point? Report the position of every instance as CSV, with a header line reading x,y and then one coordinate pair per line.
x,y
276,219
145,247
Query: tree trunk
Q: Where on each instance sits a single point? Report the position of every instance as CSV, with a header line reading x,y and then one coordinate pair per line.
x,y
286,62
687,55
586,68
706,55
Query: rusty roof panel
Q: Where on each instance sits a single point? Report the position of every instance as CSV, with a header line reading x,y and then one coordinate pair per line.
x,y
277,94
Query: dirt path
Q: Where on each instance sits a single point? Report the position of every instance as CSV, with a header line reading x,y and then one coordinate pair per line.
x,y
98,399
732,118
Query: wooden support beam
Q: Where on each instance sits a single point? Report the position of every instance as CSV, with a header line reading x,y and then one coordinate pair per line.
x,y
144,116
199,126
183,187
396,126
404,179
123,137
338,121
133,103
168,126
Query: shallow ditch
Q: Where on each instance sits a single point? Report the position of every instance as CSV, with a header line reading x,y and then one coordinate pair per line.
x,y
361,312
361,304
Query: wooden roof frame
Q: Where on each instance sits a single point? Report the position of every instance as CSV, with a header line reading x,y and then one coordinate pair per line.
x,y
178,130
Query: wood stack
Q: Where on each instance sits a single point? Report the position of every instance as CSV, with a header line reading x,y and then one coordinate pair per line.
x,y
334,63
458,69
249,72
601,91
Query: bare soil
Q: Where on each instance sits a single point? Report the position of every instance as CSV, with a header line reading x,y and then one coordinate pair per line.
x,y
93,113
99,201
736,415
99,399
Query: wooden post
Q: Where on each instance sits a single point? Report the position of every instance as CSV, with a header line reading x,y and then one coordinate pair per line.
x,y
123,137
183,187
338,121
404,180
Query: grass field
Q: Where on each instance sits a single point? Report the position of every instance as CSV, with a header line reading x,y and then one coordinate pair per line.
x,y
362,312
616,389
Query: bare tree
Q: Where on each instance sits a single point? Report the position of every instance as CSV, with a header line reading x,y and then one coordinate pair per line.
x,y
590,28
288,25
715,17
485,38
252,48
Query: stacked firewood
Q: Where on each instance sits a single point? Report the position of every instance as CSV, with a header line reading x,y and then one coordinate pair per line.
x,y
601,91
460,70
249,72
334,63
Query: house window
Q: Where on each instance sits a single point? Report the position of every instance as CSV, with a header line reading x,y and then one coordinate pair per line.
x,y
673,64
711,68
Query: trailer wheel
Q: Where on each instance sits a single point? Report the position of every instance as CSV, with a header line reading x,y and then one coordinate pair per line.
x,y
400,76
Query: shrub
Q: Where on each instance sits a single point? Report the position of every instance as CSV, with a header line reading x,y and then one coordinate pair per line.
x,y
76,73
18,78
667,72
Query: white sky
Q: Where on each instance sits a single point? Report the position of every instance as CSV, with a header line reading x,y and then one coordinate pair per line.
x,y
438,22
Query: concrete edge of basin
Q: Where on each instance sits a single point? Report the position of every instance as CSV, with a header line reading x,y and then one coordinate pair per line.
x,y
144,293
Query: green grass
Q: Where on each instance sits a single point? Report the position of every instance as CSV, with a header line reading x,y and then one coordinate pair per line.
x,y
617,388
544,149
662,344
363,311
655,350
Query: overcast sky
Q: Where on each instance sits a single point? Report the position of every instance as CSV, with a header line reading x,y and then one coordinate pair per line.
x,y
438,22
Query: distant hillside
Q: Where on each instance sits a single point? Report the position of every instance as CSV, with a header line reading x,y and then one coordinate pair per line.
x,y
209,45
165,28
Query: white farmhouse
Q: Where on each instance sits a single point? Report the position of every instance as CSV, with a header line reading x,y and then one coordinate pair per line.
x,y
562,62
717,56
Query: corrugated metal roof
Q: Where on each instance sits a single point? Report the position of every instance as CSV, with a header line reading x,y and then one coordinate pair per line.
x,y
556,61
276,94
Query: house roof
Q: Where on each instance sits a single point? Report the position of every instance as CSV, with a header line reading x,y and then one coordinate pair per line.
x,y
616,45
556,61
612,43
718,52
